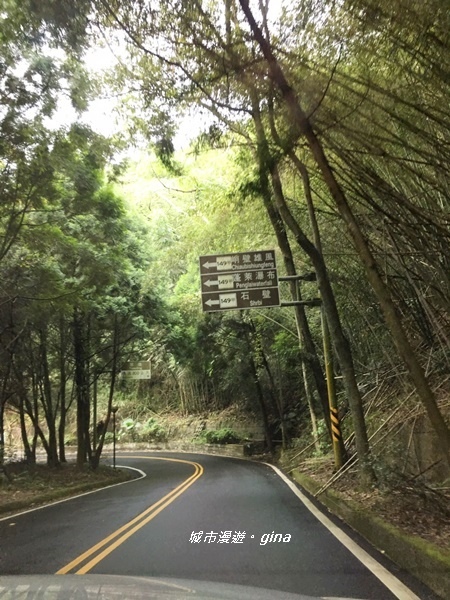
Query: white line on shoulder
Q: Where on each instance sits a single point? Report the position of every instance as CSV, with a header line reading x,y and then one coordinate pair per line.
x,y
394,585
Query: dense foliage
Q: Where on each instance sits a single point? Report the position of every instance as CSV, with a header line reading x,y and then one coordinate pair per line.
x,y
322,129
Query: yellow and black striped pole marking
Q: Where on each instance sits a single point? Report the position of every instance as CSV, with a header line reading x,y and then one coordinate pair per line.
x,y
335,425
337,437
332,400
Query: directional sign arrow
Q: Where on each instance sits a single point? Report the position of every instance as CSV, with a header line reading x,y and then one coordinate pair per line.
x,y
208,265
239,280
212,302
218,263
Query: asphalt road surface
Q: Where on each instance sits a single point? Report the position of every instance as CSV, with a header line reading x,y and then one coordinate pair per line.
x,y
202,517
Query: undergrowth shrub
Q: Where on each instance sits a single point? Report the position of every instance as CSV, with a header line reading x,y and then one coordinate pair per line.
x,y
150,431
225,435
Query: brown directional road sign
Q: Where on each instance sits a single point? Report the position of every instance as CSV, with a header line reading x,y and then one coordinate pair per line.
x,y
240,280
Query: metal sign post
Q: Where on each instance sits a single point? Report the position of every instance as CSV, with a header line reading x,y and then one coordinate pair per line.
x,y
114,409
336,435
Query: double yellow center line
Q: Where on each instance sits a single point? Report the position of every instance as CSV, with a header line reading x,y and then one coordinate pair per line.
x,y
98,552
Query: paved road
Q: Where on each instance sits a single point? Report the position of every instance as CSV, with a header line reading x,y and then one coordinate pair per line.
x,y
203,518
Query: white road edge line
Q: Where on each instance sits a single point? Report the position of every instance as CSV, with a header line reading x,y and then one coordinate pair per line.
x,y
394,585
24,512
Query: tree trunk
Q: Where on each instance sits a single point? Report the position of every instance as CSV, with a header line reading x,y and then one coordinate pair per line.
x,y
38,433
30,457
62,391
2,434
259,392
47,402
97,452
276,397
262,404
312,412
3,400
81,387
304,333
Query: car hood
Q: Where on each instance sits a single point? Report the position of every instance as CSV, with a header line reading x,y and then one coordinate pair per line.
x,y
115,587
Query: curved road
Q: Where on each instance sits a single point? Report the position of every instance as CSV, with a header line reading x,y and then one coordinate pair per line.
x,y
202,517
